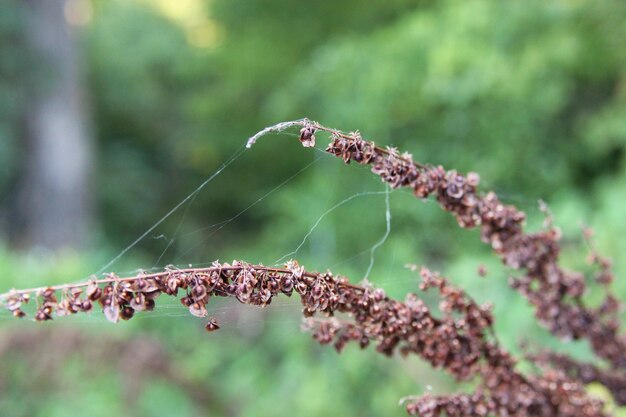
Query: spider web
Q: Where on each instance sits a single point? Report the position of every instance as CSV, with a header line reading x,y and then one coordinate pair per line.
x,y
361,262
179,213
206,232
368,257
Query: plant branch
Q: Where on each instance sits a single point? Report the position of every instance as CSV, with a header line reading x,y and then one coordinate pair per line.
x,y
555,292
460,342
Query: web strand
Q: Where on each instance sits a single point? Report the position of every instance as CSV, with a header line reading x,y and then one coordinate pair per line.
x,y
319,220
191,196
224,223
384,238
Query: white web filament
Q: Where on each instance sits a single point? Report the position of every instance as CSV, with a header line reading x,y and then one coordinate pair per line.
x,y
386,235
319,220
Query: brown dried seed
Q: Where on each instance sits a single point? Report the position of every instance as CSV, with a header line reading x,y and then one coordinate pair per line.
x,y
141,284
364,342
86,305
49,294
307,137
41,315
186,301
150,304
287,285
265,295
138,302
473,179
198,309
301,288
127,313
18,313
94,294
212,325
318,290
273,286
198,292
172,284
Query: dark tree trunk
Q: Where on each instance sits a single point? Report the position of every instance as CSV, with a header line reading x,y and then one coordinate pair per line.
x,y
54,202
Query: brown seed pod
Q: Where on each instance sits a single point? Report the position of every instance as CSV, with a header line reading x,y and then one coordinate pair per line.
x,y
138,302
198,309
150,303
307,136
212,325
41,315
198,292
127,313
287,286
18,313
86,305
301,288
94,293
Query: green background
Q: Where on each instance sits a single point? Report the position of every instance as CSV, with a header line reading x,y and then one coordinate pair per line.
x,y
531,95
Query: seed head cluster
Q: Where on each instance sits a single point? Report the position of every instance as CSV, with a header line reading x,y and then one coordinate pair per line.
x,y
460,342
555,292
587,373
459,339
120,298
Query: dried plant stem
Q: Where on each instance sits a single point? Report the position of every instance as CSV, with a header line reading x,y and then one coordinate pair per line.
x,y
277,128
306,123
112,278
460,342
555,292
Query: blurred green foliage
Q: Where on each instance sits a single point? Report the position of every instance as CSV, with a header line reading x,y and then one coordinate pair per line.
x,y
529,94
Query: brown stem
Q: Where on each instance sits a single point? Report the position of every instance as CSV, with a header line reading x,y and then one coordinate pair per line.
x,y
558,299
458,342
111,278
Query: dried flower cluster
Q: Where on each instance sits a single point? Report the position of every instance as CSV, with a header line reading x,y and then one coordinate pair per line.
x,y
554,291
613,380
460,344
461,341
119,298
